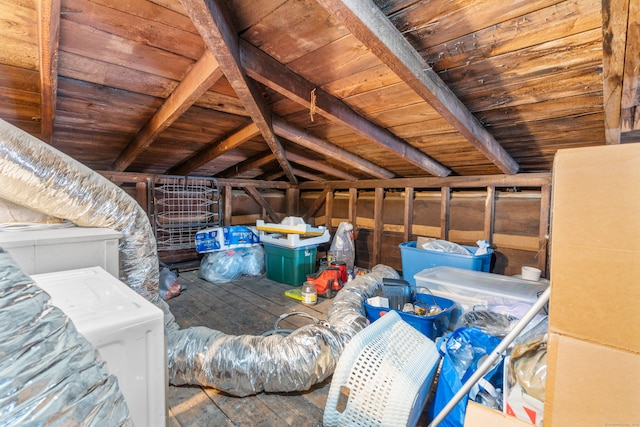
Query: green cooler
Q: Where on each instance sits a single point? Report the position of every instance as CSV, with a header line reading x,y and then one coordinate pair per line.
x,y
289,265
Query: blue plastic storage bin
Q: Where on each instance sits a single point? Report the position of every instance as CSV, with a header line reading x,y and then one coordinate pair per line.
x,y
431,326
414,260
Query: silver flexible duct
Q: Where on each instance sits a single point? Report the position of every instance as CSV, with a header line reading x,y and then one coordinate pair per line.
x,y
35,175
38,176
246,364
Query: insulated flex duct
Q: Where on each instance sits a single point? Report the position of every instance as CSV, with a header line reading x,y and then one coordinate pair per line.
x,y
35,175
51,375
246,364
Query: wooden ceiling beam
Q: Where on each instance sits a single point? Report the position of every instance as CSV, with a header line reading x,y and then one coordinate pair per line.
x,y
271,176
49,35
615,15
217,149
365,20
630,104
288,131
251,163
263,158
308,175
216,29
260,200
319,166
319,201
275,175
271,73
202,75
305,139
477,181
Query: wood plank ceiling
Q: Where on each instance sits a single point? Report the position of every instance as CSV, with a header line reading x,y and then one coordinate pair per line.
x,y
321,89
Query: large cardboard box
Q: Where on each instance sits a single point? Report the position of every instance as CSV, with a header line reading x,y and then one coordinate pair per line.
x,y
593,376
590,384
595,245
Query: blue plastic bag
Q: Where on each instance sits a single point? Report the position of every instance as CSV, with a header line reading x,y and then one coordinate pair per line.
x,y
462,351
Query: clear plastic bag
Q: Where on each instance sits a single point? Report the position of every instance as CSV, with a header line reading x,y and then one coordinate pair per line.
x,y
253,261
168,286
489,322
221,266
528,361
342,245
446,246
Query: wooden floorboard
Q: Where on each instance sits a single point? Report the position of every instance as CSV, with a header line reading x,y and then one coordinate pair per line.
x,y
245,306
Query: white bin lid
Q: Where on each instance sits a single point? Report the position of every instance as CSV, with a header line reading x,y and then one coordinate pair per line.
x,y
95,300
55,236
478,284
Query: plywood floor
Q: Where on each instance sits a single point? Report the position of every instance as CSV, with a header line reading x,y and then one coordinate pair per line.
x,y
245,306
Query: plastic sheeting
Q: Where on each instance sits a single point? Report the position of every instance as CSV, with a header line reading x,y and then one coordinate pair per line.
x,y
36,175
50,373
245,364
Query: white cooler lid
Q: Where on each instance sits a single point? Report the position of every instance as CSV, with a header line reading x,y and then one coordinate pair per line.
x,y
479,284
95,300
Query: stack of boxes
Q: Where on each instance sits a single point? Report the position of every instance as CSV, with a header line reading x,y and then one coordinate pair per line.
x,y
594,341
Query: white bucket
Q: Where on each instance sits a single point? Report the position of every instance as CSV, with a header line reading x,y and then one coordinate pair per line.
x,y
531,273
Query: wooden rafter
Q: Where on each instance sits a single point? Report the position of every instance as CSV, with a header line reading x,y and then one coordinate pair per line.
x,y
230,142
271,176
251,163
319,201
365,20
49,34
517,180
318,166
291,133
213,24
308,175
260,200
276,76
263,158
615,14
630,104
204,73
305,139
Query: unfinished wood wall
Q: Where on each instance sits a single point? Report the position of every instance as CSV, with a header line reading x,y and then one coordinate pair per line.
x,y
511,212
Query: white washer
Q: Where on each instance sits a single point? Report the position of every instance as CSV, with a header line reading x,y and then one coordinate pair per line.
x,y
126,329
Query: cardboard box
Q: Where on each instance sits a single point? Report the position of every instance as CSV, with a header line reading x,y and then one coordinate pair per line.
x,y
591,385
595,245
478,415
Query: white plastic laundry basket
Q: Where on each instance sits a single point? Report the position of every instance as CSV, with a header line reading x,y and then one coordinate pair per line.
x,y
383,376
